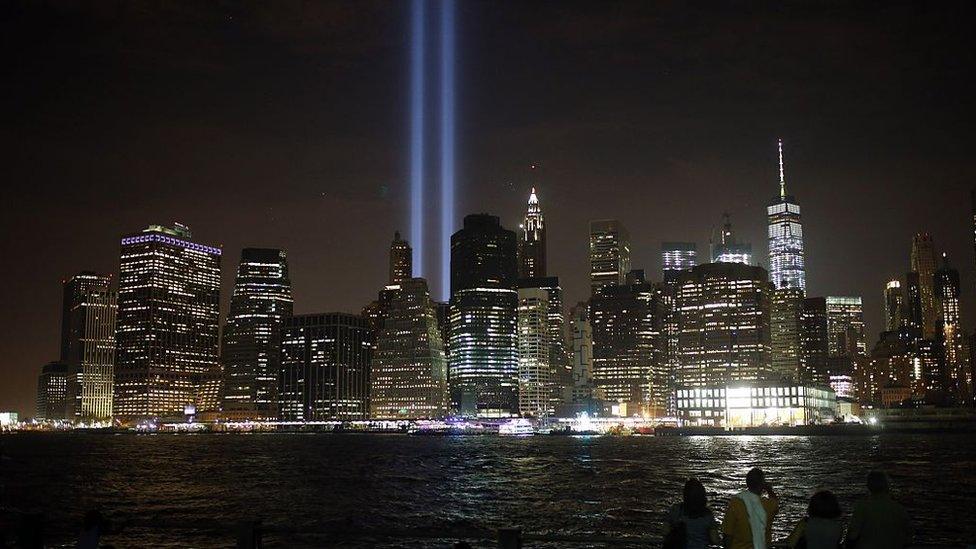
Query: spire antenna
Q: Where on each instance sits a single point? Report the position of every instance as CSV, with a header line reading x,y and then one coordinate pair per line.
x,y
782,172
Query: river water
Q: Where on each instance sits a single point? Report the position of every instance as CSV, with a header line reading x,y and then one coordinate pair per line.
x,y
356,490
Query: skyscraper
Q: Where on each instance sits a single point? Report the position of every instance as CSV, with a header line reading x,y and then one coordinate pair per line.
x,y
923,263
582,349
483,341
723,324
534,371
894,306
88,345
401,259
52,391
167,328
786,268
560,376
728,249
325,368
629,362
786,312
814,366
950,331
845,326
532,241
676,257
251,350
609,253
408,377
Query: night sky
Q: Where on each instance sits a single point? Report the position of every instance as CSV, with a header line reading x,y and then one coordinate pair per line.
x,y
285,124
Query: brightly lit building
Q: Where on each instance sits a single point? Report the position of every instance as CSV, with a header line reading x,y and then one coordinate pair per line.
x,y
676,257
950,331
845,326
532,241
250,354
786,321
609,253
408,378
52,392
736,406
785,237
483,317
723,324
894,305
168,324
728,249
534,371
560,376
325,368
88,345
923,264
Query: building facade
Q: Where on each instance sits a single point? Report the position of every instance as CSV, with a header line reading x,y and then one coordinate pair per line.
x,y
894,305
786,325
728,249
401,259
947,290
52,392
677,257
737,406
923,264
532,241
534,370
786,265
609,253
88,345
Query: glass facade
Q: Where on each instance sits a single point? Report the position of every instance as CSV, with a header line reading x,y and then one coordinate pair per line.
x,y
757,405
88,344
609,253
534,370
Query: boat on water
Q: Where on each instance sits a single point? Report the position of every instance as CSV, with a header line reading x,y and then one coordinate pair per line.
x,y
516,428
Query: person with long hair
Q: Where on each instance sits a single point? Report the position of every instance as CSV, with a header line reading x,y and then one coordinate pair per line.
x,y
691,524
822,527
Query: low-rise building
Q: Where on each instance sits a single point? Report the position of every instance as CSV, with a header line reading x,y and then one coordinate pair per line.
x,y
755,405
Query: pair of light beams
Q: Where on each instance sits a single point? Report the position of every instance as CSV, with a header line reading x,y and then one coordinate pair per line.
x,y
418,134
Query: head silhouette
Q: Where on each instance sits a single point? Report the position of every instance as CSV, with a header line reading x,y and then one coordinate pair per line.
x,y
755,480
877,482
824,504
694,500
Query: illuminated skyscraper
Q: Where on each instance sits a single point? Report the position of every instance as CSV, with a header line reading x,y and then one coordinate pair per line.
x,y
251,350
401,259
723,324
582,349
786,311
483,341
559,358
728,249
609,253
52,391
88,345
814,338
534,371
785,237
923,263
167,328
894,305
408,378
676,257
325,368
845,326
950,331
532,241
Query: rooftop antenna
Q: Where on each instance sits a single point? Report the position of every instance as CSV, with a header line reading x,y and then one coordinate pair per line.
x,y
782,173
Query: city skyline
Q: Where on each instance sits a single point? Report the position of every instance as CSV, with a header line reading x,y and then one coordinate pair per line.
x,y
864,196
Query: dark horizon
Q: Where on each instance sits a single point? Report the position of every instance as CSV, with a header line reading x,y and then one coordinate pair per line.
x,y
286,126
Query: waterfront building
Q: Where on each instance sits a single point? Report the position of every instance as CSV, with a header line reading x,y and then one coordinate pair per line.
x,y
676,257
534,370
786,320
946,287
894,305
52,391
401,260
923,263
582,349
532,241
251,350
728,249
629,362
483,318
609,253
886,373
88,345
786,269
325,362
814,364
168,324
765,404
408,378
723,313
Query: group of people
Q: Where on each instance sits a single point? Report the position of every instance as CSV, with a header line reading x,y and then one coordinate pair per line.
x,y
877,521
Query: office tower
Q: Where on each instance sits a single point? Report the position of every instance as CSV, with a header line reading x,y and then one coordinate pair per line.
x,y
609,253
913,303
930,378
923,263
629,362
723,323
786,311
559,357
534,370
814,364
884,378
325,368
408,377
532,241
785,237
894,305
950,331
401,259
845,326
582,349
676,257
483,342
168,324
88,345
728,249
443,311
250,354
52,391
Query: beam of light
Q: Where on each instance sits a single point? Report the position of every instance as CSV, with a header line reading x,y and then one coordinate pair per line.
x,y
447,142
417,40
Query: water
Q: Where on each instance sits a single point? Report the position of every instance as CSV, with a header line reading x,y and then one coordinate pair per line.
x,y
401,491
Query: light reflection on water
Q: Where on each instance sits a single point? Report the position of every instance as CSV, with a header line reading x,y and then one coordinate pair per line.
x,y
188,489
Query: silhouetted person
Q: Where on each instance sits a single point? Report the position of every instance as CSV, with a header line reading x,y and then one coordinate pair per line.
x,y
878,522
821,528
93,527
749,519
691,524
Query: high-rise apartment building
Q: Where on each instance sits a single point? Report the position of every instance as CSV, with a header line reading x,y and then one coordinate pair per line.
x,y
723,324
408,377
786,269
894,305
532,241
88,345
609,253
401,259
168,324
728,249
923,263
325,362
946,287
483,340
534,370
251,350
52,392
